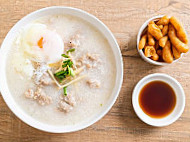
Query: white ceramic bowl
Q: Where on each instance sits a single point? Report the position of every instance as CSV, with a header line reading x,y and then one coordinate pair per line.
x,y
5,49
180,100
143,27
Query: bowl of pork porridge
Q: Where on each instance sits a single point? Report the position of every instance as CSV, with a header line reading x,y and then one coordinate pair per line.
x,y
61,69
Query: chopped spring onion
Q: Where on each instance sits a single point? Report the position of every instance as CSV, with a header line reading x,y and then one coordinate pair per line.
x,y
67,62
65,91
59,73
64,55
71,50
64,65
71,72
68,72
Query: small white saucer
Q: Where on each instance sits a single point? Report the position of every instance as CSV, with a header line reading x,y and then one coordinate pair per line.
x,y
180,100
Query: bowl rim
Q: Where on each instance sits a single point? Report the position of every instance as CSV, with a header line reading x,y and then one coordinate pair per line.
x,y
142,28
145,118
119,77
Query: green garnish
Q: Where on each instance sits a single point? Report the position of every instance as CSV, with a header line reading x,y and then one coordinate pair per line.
x,y
101,104
71,50
68,62
64,55
67,69
71,72
64,65
65,91
59,73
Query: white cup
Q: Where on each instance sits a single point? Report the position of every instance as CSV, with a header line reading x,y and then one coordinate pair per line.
x,y
180,100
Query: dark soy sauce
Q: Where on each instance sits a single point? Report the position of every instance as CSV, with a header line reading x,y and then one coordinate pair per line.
x,y
157,99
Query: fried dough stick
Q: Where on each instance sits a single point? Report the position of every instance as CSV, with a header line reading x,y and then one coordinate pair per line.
x,y
180,46
155,31
167,53
163,21
179,28
142,41
176,53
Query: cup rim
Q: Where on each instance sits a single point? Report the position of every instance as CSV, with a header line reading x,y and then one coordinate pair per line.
x,y
144,25
170,118
115,93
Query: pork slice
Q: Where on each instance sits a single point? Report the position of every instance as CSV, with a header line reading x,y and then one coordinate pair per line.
x,y
46,79
93,83
70,99
92,57
29,94
41,97
64,107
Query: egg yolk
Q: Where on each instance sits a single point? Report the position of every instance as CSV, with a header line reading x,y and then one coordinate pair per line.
x,y
40,42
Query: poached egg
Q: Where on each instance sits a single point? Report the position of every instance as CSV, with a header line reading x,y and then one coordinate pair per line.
x,y
41,44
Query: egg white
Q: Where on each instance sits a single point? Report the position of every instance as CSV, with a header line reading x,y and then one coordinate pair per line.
x,y
52,43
